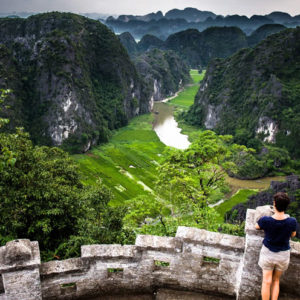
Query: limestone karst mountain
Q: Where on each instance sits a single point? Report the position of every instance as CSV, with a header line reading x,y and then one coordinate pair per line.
x,y
198,48
256,90
71,79
263,32
163,72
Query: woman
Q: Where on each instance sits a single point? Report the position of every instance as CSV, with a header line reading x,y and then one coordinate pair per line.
x,y
275,253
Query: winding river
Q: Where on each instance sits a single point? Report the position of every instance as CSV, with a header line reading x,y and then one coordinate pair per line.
x,y
167,128
170,134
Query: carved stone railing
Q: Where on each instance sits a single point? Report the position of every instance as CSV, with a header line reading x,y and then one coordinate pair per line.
x,y
194,260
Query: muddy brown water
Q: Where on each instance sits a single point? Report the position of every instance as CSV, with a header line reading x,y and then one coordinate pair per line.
x,y
167,128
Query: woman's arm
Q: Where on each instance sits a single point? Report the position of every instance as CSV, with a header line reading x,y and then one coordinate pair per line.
x,y
257,226
293,234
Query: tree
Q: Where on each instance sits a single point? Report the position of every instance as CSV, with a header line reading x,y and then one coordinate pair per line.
x,y
6,156
40,194
42,198
187,181
195,174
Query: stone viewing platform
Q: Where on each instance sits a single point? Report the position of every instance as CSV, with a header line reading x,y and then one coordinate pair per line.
x,y
195,264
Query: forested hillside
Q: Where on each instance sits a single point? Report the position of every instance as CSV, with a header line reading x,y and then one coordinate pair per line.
x,y
255,93
197,48
71,79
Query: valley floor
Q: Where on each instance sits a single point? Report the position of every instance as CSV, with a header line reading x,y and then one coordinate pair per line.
x,y
127,164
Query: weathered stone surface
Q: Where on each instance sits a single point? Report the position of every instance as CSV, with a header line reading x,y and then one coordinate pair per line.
x,y
18,250
203,264
158,242
108,251
164,294
64,266
201,235
261,211
23,285
125,297
19,254
250,224
295,248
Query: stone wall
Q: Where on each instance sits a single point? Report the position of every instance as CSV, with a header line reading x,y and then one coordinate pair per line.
x,y
194,262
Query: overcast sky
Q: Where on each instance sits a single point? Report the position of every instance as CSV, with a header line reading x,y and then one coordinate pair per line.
x,y
117,7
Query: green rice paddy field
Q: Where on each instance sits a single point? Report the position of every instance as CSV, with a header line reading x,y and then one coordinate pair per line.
x,y
186,98
127,164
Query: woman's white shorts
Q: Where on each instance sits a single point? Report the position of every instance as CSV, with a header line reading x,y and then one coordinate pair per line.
x,y
269,260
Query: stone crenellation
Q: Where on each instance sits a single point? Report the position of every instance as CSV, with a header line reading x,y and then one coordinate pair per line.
x,y
214,265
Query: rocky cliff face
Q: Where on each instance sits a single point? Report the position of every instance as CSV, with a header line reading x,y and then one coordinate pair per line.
x,y
163,71
256,89
75,80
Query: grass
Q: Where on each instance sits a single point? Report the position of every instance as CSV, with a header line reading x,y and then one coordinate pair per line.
x,y
196,76
240,197
186,98
127,164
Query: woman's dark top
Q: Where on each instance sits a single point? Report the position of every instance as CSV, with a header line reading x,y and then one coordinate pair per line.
x,y
277,232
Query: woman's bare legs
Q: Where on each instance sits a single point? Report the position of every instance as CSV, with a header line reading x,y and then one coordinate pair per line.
x,y
266,285
275,284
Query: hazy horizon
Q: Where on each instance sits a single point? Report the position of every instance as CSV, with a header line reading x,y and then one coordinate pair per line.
x,y
118,7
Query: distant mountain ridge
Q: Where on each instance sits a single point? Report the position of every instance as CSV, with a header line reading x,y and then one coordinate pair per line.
x,y
177,20
198,48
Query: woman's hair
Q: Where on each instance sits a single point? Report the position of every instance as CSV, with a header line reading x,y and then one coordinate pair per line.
x,y
282,201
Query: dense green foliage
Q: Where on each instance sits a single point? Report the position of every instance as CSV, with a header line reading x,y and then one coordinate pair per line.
x,y
6,155
42,198
188,180
149,41
198,48
253,89
269,161
129,43
263,32
72,79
